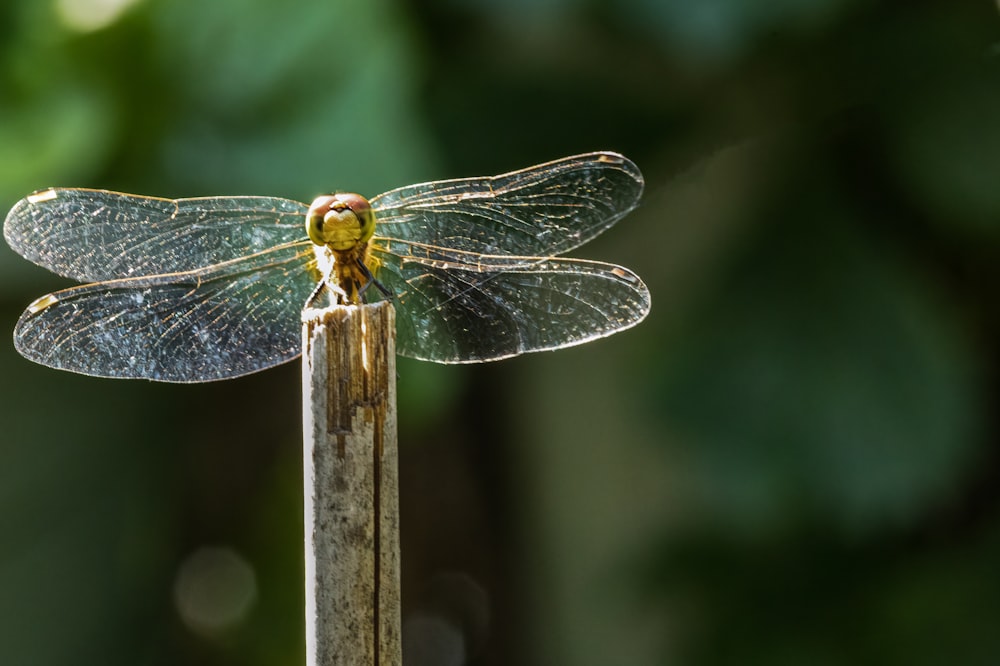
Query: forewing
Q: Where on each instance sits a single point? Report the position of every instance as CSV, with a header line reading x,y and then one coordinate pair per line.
x,y
543,210
96,235
454,307
223,322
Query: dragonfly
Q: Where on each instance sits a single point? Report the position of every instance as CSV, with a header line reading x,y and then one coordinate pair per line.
x,y
211,288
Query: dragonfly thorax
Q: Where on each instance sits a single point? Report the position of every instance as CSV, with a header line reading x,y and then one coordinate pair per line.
x,y
340,222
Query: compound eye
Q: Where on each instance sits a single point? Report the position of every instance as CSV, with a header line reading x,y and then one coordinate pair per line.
x,y
357,203
315,218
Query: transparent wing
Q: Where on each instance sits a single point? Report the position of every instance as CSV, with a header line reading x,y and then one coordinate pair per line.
x,y
225,321
94,235
543,210
458,307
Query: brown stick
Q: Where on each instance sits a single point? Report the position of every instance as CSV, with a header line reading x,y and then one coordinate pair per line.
x,y
351,486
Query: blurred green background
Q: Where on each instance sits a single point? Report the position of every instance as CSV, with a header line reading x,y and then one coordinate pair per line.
x,y
793,460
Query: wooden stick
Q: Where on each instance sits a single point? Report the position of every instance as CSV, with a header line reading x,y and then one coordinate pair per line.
x,y
351,486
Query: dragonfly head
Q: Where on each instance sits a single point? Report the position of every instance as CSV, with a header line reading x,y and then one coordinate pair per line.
x,y
340,221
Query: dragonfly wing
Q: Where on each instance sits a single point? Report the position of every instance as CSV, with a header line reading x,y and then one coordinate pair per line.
x,y
543,210
96,235
455,307
217,323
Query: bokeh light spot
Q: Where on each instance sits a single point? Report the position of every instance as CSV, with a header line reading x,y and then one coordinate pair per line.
x,y
214,589
90,15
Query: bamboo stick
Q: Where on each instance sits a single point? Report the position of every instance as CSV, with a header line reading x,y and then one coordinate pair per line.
x,y
351,486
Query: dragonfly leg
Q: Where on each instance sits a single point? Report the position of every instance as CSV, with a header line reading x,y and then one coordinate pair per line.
x,y
324,284
338,291
369,281
315,294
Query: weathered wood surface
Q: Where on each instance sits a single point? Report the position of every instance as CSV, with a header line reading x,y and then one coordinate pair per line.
x,y
351,487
